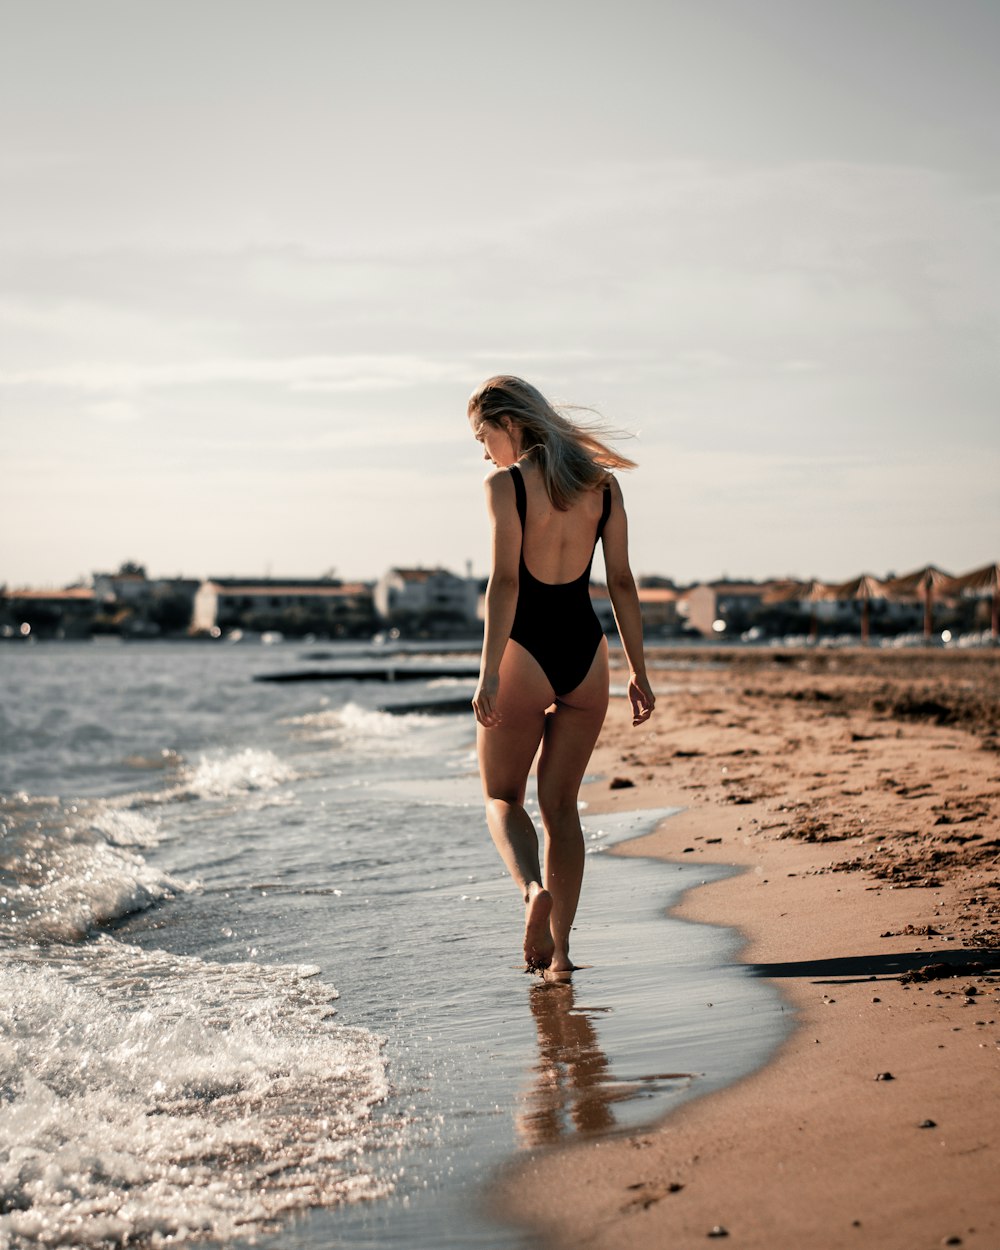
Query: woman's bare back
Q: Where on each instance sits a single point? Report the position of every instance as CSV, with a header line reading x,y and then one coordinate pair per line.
x,y
557,546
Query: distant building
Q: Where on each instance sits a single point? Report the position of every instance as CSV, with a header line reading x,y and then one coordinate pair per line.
x,y
731,604
131,603
65,613
658,605
128,587
310,606
431,600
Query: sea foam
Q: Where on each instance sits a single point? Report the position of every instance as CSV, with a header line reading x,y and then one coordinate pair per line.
x,y
60,877
150,1096
222,776
362,730
126,828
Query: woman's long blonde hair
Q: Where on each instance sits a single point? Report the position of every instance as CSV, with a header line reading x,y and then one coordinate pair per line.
x,y
571,456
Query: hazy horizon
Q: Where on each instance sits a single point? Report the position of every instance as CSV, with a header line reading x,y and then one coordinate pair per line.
x,y
293,577
254,257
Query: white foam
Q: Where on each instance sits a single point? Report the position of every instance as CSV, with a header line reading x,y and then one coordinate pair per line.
x,y
369,723
361,729
222,776
126,828
58,888
149,1096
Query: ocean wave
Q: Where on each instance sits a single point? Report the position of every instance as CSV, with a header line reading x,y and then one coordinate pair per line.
x,y
222,776
67,866
150,1096
58,881
126,828
360,729
369,723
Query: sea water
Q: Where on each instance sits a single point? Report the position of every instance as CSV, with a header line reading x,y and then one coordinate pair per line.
x,y
260,976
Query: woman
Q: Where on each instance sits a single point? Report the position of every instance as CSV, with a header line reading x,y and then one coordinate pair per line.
x,y
544,672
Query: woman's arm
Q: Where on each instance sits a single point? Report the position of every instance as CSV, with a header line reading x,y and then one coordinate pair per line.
x,y
501,592
625,601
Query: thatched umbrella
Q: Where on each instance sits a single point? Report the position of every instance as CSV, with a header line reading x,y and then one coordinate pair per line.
x,y
811,592
981,582
862,589
922,584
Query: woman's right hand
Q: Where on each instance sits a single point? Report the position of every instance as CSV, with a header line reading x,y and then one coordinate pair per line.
x,y
484,701
642,699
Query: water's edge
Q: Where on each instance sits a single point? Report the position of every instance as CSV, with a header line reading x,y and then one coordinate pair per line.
x,y
495,1196
745,1045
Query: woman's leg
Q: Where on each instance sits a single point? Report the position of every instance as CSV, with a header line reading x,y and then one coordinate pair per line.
x,y
506,752
571,733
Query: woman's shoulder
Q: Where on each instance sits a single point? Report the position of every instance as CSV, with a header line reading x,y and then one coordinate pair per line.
x,y
499,485
607,482
496,476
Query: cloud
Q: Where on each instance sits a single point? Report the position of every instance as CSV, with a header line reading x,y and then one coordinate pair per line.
x,y
794,318
297,373
112,410
671,260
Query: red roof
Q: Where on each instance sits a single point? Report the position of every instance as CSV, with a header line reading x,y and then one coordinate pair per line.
x,y
81,594
353,588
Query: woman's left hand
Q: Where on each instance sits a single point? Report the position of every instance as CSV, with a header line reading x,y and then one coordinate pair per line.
x,y
642,699
484,701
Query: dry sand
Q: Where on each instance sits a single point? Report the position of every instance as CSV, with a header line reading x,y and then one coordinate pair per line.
x,y
861,792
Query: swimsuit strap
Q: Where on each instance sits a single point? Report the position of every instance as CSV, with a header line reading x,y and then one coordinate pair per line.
x,y
520,493
607,510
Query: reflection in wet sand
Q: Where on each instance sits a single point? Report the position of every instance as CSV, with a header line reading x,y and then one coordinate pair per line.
x,y
573,1089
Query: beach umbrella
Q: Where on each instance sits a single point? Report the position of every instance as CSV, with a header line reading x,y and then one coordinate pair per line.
x,y
862,590
982,582
811,592
923,584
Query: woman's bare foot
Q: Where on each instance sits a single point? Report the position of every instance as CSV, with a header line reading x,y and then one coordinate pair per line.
x,y
559,967
538,944
558,976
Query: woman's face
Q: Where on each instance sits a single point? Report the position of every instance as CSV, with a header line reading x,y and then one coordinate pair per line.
x,y
501,443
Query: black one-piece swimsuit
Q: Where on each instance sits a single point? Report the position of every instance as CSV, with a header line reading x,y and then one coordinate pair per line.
x,y
556,622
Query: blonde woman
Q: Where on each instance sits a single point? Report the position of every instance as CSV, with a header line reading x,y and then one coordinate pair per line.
x,y
544,672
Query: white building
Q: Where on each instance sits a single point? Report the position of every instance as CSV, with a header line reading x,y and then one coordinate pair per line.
x,y
726,607
283,604
428,596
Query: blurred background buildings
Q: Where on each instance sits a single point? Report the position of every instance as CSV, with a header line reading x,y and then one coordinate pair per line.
x,y
437,603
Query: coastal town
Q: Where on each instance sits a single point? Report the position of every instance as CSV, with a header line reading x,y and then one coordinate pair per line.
x,y
438,604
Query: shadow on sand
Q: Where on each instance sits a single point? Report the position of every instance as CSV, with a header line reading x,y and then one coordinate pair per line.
x,y
942,963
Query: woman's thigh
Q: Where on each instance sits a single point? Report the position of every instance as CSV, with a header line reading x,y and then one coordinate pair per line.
x,y
571,733
507,751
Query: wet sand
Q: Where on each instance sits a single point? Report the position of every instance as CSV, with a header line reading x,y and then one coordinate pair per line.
x,y
860,791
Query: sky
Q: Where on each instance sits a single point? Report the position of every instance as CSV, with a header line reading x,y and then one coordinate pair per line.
x,y
254,257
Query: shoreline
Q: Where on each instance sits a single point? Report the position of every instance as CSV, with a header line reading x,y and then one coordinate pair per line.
x,y
860,798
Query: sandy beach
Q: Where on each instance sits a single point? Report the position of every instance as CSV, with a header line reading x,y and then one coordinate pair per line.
x,y
858,791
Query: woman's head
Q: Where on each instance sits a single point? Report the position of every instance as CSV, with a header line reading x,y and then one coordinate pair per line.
x,y
506,400
571,456
502,412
